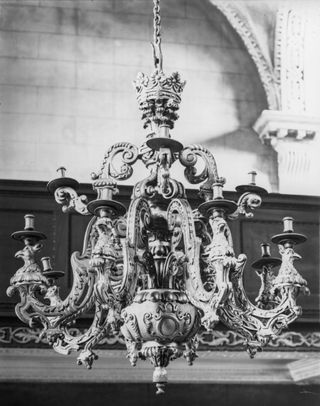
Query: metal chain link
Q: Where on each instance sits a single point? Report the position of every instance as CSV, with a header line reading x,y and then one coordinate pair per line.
x,y
157,53
156,22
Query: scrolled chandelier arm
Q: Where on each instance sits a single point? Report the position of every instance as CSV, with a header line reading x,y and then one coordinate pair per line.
x,y
159,270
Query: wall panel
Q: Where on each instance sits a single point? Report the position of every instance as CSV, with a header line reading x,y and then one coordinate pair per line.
x,y
66,231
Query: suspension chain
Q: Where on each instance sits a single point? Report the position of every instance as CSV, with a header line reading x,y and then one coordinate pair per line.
x,y
157,53
156,22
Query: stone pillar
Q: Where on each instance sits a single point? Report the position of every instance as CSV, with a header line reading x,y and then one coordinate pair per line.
x,y
293,130
295,138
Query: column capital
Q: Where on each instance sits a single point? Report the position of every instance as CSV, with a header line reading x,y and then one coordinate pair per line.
x,y
273,126
295,138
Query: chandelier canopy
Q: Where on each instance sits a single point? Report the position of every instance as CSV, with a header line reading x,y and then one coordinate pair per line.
x,y
158,270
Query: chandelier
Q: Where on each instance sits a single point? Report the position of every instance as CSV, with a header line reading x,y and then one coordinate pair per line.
x,y
158,271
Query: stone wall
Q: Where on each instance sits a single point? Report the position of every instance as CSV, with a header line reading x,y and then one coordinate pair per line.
x,y
66,72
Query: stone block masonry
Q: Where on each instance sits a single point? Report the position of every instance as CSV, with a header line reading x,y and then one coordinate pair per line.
x,y
66,72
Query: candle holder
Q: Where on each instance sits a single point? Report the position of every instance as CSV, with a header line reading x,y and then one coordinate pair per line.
x,y
288,237
105,205
266,259
29,235
252,187
218,203
49,272
62,181
266,299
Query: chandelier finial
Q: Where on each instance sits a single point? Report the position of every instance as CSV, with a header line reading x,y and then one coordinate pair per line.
x,y
159,95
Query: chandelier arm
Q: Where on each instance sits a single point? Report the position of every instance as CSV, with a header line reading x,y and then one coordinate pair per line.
x,y
101,325
133,269
87,240
63,342
127,154
174,267
259,325
23,308
167,187
286,286
136,247
31,309
266,276
247,202
105,256
31,283
80,297
209,174
138,213
147,187
70,342
180,221
71,201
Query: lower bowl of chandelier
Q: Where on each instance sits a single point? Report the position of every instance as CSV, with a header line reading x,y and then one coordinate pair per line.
x,y
162,315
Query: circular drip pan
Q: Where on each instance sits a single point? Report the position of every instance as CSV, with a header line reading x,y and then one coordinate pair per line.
x,y
116,207
54,184
227,205
161,142
53,274
264,261
283,237
251,189
21,235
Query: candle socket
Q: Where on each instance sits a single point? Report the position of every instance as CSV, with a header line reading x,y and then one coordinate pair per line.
x,y
164,131
217,191
287,224
105,193
29,222
46,264
253,177
62,171
103,212
265,250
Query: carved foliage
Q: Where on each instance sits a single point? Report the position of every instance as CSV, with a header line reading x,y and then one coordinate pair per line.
x,y
118,161
13,336
209,175
71,201
259,325
246,203
159,97
30,273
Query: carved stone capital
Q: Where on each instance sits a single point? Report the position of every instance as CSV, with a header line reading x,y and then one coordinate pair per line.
x,y
274,126
295,138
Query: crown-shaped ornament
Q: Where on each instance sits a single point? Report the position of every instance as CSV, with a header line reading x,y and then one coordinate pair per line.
x,y
159,97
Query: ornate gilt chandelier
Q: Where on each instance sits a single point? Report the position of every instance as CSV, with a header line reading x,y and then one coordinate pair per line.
x,y
158,270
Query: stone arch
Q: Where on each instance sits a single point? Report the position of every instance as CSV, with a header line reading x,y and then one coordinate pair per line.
x,y
240,23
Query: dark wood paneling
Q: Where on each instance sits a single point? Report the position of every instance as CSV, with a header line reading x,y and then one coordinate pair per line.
x,y
12,219
257,231
65,234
